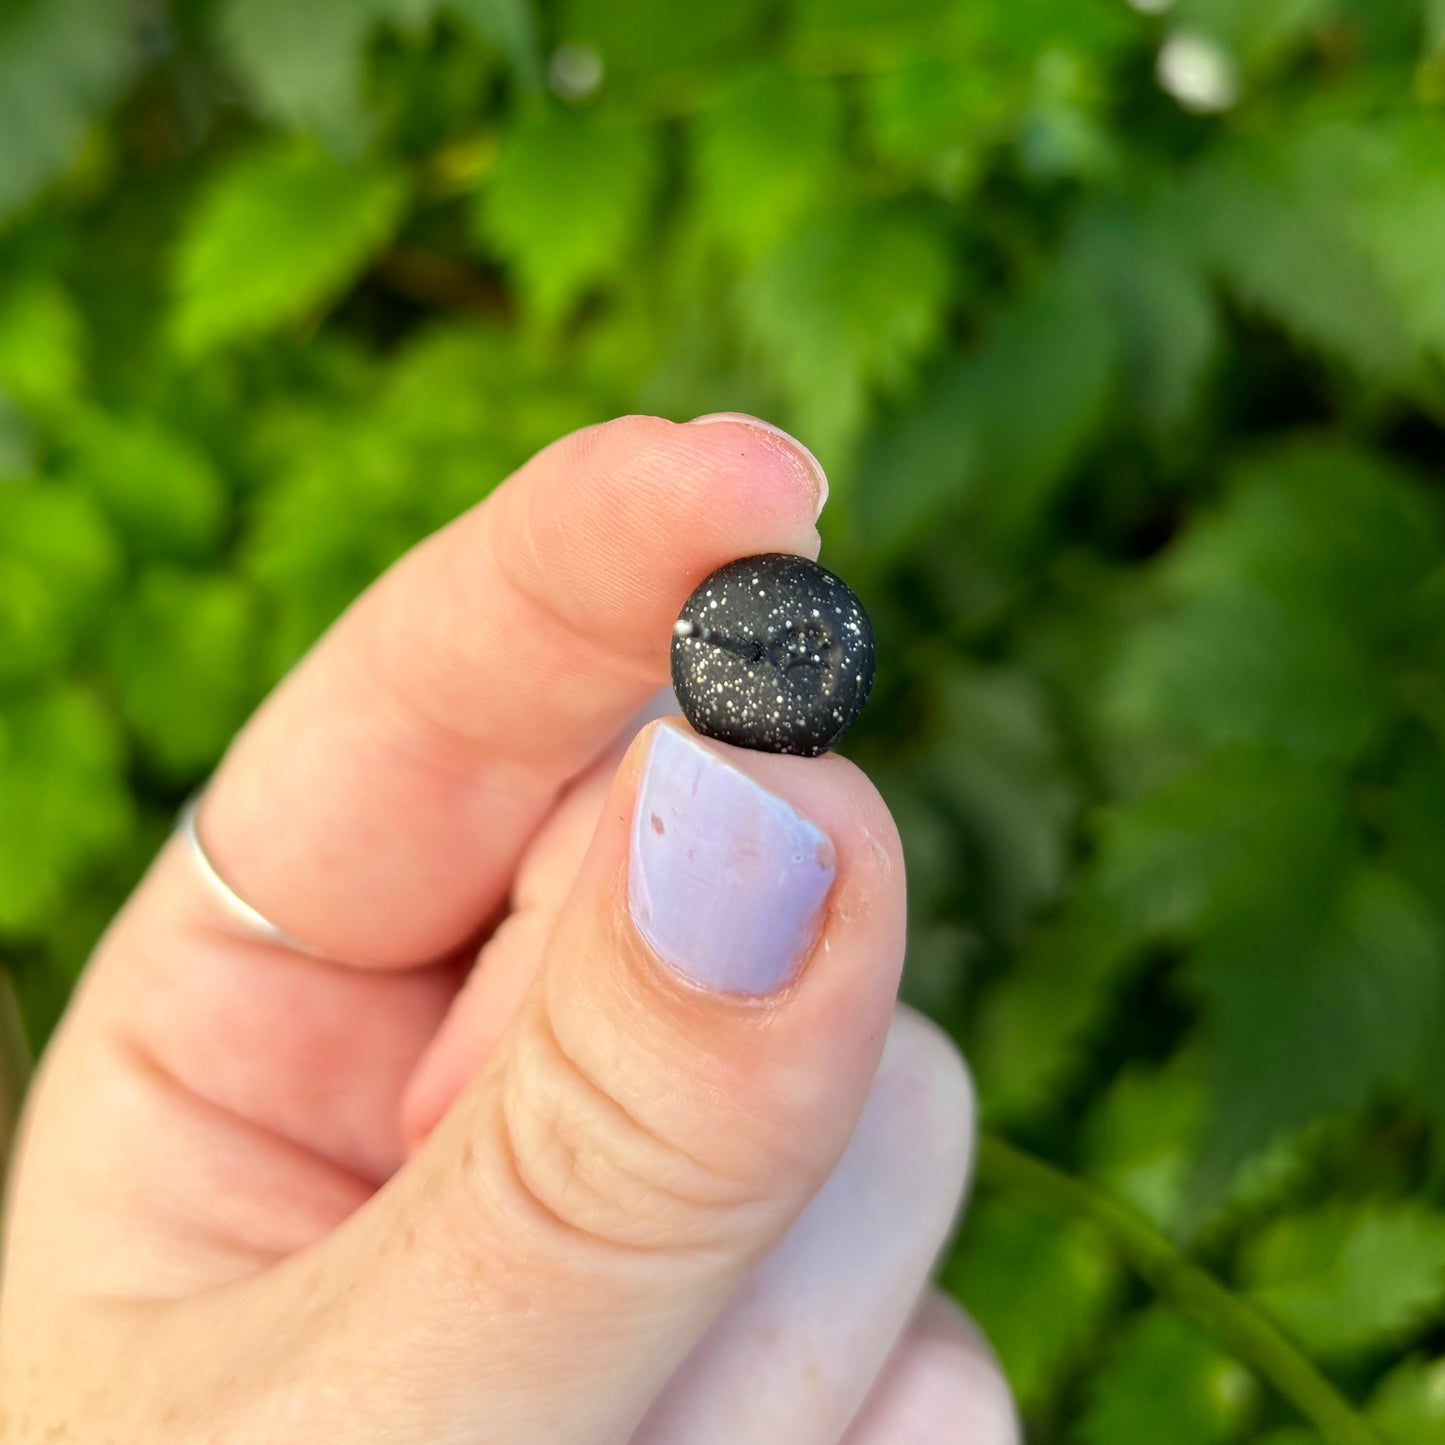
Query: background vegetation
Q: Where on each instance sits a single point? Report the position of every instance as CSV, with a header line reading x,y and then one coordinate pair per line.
x,y
1121,332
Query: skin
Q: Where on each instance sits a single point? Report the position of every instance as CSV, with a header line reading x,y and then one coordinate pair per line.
x,y
485,1171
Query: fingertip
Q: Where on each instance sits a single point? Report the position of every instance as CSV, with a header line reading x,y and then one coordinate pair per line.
x,y
771,435
713,492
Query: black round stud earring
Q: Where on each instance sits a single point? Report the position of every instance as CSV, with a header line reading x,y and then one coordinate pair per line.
x,y
773,652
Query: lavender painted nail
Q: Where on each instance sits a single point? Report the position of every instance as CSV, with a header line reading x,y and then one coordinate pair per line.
x,y
726,881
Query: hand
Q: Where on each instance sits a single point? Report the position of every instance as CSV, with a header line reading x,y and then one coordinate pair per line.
x,y
576,1188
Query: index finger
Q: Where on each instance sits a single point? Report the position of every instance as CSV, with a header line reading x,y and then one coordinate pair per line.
x,y
375,805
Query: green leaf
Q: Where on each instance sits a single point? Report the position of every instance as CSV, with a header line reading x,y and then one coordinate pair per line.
x,y
164,496
1037,1285
643,38
844,308
937,119
42,340
184,660
466,388
1411,813
1164,1381
508,25
567,202
61,61
307,63
1397,176
1063,135
1320,979
873,28
920,466
304,62
63,799
1272,230
765,155
341,504
1000,427
278,235
1292,606
1350,1277
1410,816
1077,33
997,762
1139,1140
940,947
1409,1403
1333,228
1408,1407
59,562
1194,850
1250,667
1434,25
1169,326
17,442
1310,1014
1031,1037
1317,521
1258,31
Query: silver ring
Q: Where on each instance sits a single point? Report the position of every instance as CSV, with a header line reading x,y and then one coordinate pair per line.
x,y
242,912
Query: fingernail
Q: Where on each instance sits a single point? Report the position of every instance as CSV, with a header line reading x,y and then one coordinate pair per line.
x,y
726,881
817,476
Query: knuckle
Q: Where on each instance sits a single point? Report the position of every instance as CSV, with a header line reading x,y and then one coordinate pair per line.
x,y
585,1162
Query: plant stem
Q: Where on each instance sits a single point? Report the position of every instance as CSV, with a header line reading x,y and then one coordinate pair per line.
x,y
1231,1320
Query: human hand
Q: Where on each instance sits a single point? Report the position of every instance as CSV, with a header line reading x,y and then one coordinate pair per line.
x,y
588,1190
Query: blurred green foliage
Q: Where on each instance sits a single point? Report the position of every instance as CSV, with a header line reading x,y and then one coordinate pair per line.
x,y
1121,332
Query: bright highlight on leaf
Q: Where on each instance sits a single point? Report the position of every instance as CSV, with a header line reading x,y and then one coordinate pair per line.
x,y
1350,1278
765,156
41,342
1165,1381
277,237
566,201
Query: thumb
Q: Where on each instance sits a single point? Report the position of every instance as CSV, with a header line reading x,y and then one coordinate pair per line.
x,y
681,1079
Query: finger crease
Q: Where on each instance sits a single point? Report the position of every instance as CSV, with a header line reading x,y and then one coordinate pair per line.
x,y
149,1065
542,1208
607,1100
